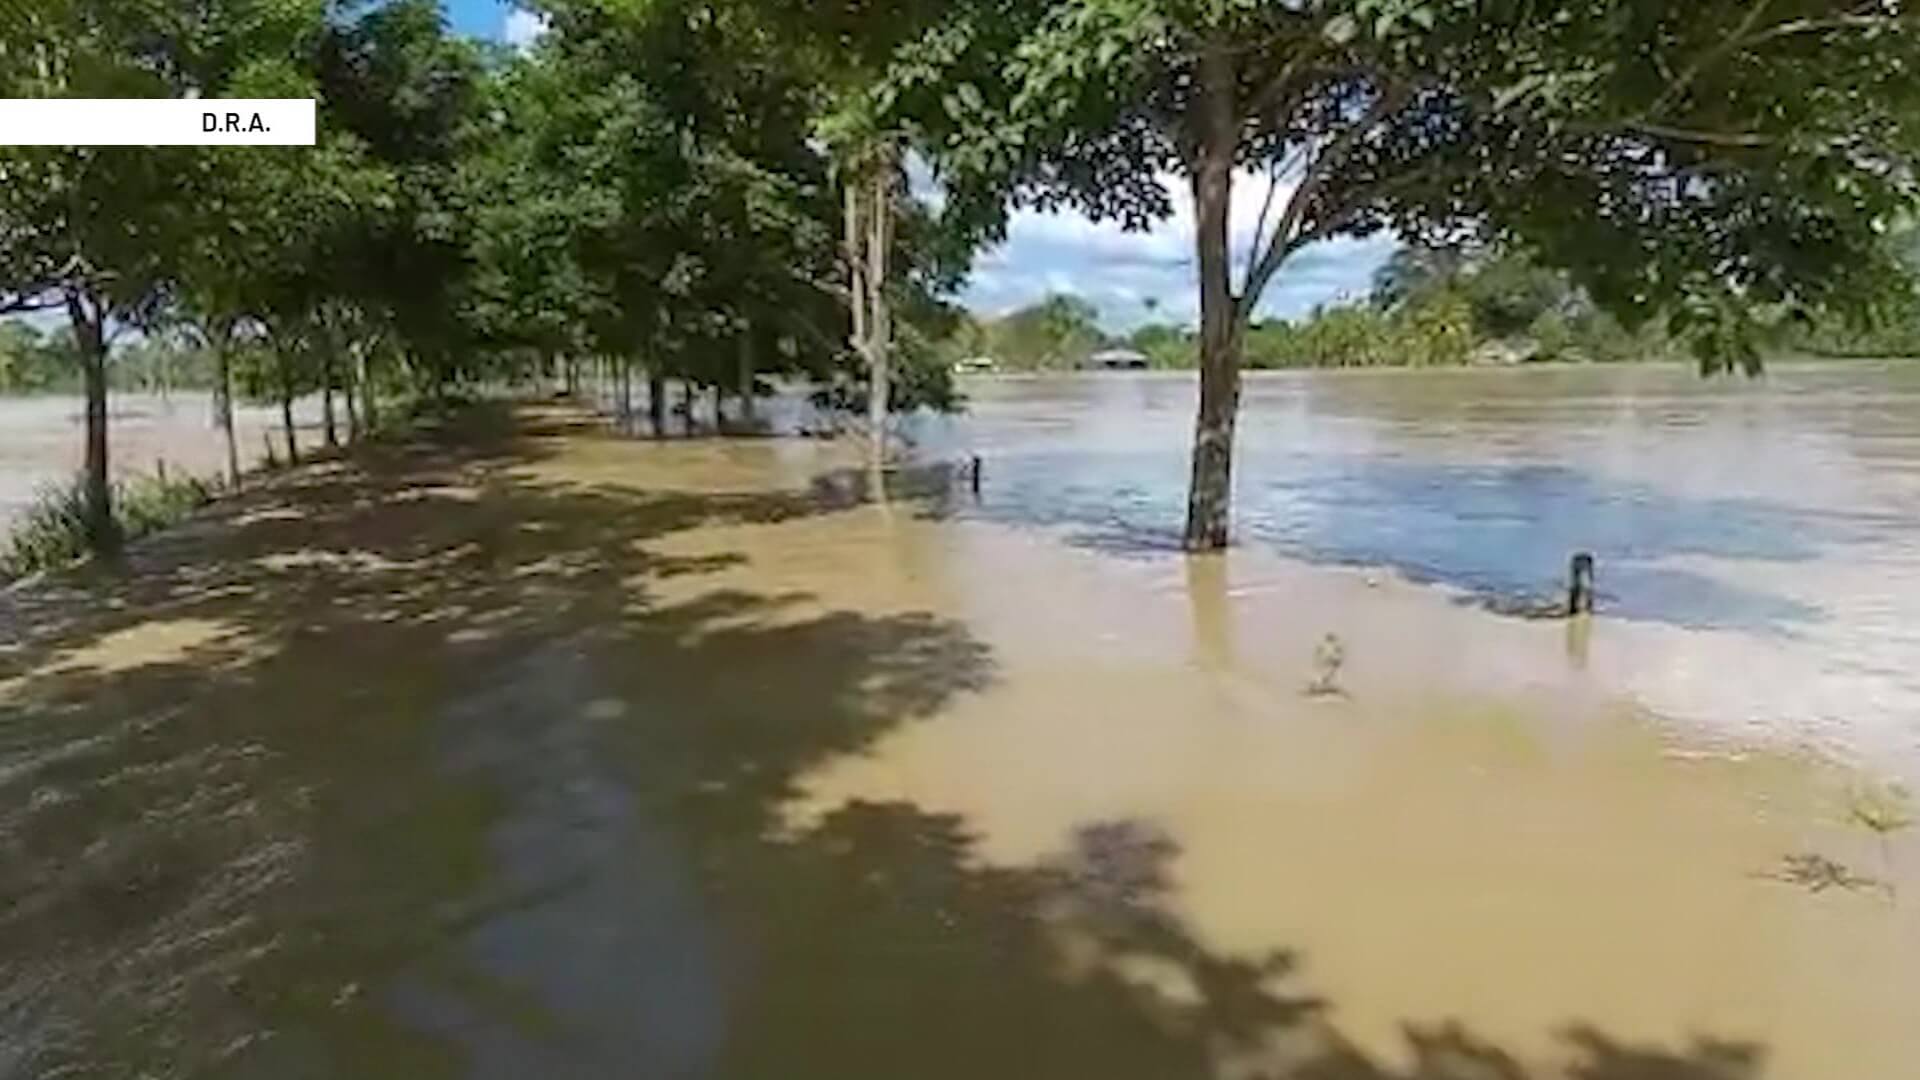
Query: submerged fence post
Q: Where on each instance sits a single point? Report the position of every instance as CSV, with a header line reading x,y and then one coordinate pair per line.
x,y
973,474
1580,584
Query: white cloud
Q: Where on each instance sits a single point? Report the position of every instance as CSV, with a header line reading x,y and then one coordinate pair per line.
x,y
1136,277
522,28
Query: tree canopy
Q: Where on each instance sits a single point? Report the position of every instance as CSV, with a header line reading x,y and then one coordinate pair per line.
x,y
1701,161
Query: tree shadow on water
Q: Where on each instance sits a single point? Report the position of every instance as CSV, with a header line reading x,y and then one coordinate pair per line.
x,y
450,790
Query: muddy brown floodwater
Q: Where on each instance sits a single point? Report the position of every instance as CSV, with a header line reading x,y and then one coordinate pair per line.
x,y
529,750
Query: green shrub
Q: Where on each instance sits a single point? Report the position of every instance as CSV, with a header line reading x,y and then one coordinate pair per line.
x,y
149,503
53,532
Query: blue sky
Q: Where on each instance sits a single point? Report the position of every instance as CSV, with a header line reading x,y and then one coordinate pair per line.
x,y
480,18
1131,277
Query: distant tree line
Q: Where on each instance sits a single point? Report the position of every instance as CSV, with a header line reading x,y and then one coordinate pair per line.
x,y
1428,307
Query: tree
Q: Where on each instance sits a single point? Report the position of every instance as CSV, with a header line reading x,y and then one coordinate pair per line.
x,y
1413,269
1695,159
845,49
407,92
88,232
1056,332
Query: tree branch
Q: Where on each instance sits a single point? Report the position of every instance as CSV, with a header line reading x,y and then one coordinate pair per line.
x,y
25,303
1749,139
1795,27
1744,37
1700,63
1284,241
1260,224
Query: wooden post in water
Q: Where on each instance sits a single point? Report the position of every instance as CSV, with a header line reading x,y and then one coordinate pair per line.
x,y
973,474
1580,584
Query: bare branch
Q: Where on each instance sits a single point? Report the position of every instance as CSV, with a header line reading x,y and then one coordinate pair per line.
x,y
1700,63
1285,240
1741,38
1747,139
25,303
1260,224
1409,176
1671,133
1795,27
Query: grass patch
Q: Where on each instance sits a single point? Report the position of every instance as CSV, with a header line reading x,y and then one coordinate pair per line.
x,y
53,531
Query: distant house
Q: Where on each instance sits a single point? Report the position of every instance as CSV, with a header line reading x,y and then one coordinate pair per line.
x,y
1117,360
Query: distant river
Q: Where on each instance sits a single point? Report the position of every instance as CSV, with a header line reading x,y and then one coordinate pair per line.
x,y
1772,526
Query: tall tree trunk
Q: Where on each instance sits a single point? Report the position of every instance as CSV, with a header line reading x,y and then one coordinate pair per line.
x,y
879,316
223,401
326,401
686,405
626,390
349,391
369,401
656,401
719,418
746,376
90,334
286,412
1210,490
854,251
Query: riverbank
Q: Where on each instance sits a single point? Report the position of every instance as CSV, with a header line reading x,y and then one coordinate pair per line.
x,y
532,750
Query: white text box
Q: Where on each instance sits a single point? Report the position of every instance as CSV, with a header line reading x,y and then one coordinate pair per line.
x,y
156,122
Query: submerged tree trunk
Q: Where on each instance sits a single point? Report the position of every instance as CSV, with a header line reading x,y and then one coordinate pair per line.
x,y
89,333
626,390
1210,488
656,401
686,405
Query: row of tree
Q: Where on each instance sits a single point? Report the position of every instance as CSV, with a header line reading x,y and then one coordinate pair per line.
x,y
708,189
648,192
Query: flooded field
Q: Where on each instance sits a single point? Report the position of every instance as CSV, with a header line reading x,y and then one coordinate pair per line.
x,y
536,751
41,439
1756,538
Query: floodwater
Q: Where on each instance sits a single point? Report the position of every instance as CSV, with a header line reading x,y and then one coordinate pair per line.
x,y
42,439
1757,538
535,751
